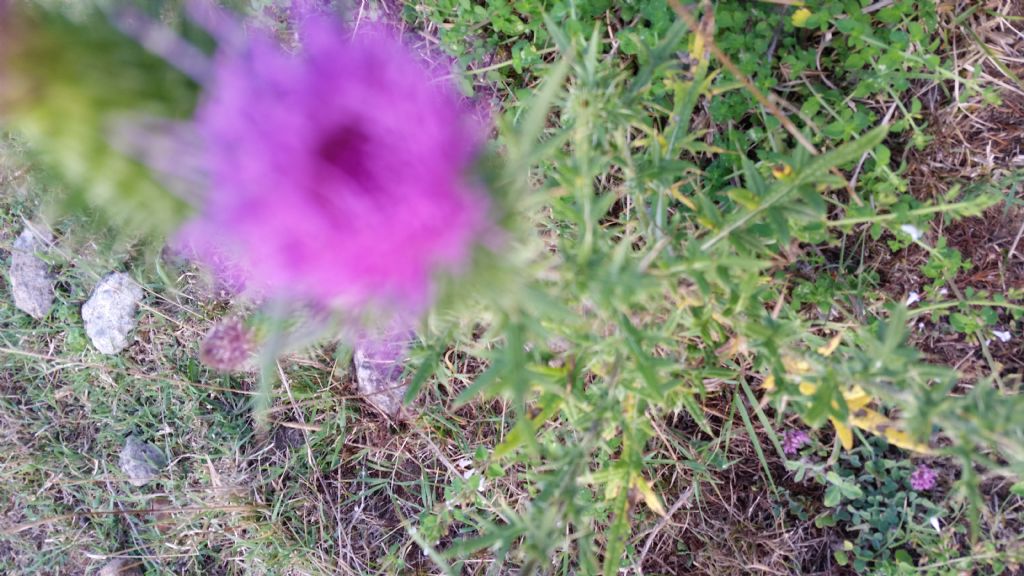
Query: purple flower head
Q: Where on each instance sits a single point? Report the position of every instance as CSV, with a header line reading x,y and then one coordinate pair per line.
x,y
793,441
923,478
227,346
338,175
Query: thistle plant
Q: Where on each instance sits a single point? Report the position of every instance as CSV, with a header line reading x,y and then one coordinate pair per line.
x,y
644,267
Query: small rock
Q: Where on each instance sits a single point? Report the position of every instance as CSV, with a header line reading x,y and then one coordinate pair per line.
x,y
379,365
285,438
121,567
31,280
140,461
109,313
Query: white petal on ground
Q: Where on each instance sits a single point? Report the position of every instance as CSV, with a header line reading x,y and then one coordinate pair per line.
x,y
914,232
1002,335
913,298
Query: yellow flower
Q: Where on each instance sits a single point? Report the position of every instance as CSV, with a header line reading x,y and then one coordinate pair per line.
x,y
868,419
800,17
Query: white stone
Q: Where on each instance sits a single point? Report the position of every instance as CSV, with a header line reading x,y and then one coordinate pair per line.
x,y
379,364
109,314
121,567
31,279
141,462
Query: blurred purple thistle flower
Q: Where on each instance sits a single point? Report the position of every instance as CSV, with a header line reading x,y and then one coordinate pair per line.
x,y
793,441
923,478
338,175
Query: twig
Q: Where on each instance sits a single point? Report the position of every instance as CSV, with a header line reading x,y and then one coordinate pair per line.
x,y
1013,247
683,500
770,53
876,6
301,420
856,172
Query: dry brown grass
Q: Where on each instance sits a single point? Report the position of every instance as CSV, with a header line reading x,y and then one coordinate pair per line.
x,y
972,141
727,521
972,138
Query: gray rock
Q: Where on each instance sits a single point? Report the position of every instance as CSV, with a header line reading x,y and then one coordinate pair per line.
x,y
140,461
31,279
109,313
379,364
121,567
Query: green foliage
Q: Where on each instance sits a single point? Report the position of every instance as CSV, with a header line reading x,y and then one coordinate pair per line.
x,y
95,77
888,524
670,246
665,243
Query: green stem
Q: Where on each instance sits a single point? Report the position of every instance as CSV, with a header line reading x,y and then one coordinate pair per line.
x,y
952,303
893,215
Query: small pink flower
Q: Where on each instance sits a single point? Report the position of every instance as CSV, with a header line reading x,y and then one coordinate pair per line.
x,y
793,441
923,478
